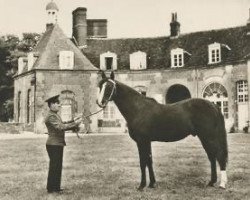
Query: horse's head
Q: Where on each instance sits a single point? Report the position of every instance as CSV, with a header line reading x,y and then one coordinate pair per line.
x,y
107,89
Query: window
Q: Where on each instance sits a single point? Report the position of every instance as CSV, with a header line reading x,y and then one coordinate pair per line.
x,y
66,60
216,93
109,111
177,57
29,106
68,105
138,60
242,91
214,53
108,61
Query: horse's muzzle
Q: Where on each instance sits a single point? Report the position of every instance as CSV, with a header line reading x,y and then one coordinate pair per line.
x,y
101,106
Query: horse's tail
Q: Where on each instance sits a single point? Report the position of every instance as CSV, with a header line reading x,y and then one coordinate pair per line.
x,y
222,155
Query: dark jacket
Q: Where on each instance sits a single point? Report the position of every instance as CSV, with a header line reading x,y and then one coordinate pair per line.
x,y
56,129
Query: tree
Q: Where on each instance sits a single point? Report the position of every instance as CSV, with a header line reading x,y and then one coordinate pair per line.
x,y
11,48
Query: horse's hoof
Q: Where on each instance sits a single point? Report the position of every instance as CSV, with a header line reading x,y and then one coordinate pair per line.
x,y
140,188
210,184
222,186
152,185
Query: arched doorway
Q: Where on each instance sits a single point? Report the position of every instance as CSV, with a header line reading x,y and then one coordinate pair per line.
x,y
177,93
216,93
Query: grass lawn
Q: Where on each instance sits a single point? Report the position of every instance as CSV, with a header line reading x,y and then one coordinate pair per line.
x,y
106,167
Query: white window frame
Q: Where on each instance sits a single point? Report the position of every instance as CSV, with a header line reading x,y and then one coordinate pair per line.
x,y
66,59
214,52
242,91
138,60
108,55
177,58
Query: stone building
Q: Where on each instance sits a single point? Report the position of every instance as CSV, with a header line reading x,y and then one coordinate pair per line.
x,y
214,65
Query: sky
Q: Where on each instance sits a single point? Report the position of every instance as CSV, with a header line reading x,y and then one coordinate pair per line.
x,y
126,18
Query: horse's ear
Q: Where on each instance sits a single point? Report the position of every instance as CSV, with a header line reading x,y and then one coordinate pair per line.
x,y
112,75
103,75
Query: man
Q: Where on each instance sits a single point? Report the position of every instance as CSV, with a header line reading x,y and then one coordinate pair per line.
x,y
56,142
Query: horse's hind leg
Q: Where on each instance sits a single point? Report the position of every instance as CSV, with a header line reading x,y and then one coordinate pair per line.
x,y
222,157
211,153
222,160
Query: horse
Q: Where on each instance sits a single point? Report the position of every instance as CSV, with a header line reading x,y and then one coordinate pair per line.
x,y
149,121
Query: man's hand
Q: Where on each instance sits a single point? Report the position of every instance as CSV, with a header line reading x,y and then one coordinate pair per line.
x,y
78,121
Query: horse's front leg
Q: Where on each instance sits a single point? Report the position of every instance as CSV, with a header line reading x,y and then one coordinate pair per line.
x,y
143,162
150,166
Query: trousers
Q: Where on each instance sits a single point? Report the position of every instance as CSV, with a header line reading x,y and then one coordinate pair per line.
x,y
55,154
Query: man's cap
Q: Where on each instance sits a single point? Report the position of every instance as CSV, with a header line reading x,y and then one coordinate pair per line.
x,y
53,99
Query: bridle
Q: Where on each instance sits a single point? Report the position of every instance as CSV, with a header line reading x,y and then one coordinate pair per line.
x,y
111,94
102,106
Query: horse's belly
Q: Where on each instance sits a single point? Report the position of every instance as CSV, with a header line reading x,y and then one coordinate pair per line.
x,y
169,136
170,132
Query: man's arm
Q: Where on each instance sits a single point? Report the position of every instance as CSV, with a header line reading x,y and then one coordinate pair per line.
x,y
57,124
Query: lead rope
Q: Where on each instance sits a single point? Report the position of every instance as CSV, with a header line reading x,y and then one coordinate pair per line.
x,y
85,117
111,94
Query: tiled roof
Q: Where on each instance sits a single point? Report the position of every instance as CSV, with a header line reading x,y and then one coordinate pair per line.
x,y
158,49
52,42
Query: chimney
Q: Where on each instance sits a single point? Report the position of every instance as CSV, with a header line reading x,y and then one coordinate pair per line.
x,y
79,32
174,26
97,28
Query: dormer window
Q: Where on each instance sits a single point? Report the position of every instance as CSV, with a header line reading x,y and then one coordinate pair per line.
x,y
66,60
214,53
138,60
108,61
177,57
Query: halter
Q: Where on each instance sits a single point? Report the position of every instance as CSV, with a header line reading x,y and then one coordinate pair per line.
x,y
113,89
111,94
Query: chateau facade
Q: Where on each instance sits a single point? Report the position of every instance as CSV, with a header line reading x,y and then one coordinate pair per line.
x,y
214,65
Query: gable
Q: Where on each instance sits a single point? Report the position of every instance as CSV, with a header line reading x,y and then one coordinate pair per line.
x,y
51,44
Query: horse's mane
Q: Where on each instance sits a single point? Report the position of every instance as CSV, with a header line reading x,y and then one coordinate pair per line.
x,y
132,90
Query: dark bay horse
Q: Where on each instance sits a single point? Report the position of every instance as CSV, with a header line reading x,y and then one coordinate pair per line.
x,y
150,121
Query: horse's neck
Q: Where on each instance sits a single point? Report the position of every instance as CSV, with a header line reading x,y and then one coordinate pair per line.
x,y
126,100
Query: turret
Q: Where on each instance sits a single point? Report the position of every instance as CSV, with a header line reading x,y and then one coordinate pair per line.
x,y
52,12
